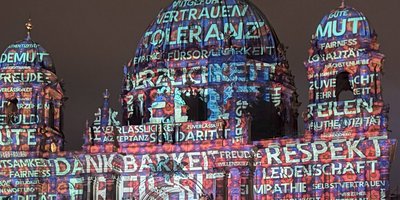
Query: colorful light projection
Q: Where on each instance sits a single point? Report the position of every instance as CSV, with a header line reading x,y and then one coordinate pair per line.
x,y
174,154
284,168
31,98
344,57
208,61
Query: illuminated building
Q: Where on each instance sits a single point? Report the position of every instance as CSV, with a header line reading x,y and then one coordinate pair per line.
x,y
209,112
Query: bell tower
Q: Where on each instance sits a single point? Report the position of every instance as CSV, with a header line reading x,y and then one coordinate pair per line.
x,y
344,70
31,99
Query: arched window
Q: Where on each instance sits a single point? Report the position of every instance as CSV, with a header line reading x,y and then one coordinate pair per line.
x,y
135,117
51,115
61,119
11,110
344,90
197,107
266,121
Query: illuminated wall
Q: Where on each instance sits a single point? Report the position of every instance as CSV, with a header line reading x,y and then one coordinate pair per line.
x,y
207,80
345,58
31,100
207,61
344,70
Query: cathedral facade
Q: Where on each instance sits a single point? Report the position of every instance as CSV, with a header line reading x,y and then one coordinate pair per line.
x,y
209,112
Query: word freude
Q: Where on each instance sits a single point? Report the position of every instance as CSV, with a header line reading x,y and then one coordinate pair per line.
x,y
21,77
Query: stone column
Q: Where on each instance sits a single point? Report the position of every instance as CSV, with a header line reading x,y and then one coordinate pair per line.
x,y
118,188
257,180
90,189
100,188
234,184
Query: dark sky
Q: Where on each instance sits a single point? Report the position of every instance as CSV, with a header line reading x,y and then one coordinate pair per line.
x,y
91,40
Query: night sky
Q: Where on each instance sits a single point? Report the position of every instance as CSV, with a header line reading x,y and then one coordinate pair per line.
x,y
91,40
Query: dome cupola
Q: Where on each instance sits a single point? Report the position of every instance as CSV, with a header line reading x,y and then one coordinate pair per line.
x,y
26,52
344,70
31,97
210,60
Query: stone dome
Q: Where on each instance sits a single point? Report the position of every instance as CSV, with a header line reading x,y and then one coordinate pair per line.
x,y
344,65
26,53
343,23
342,34
205,24
207,60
